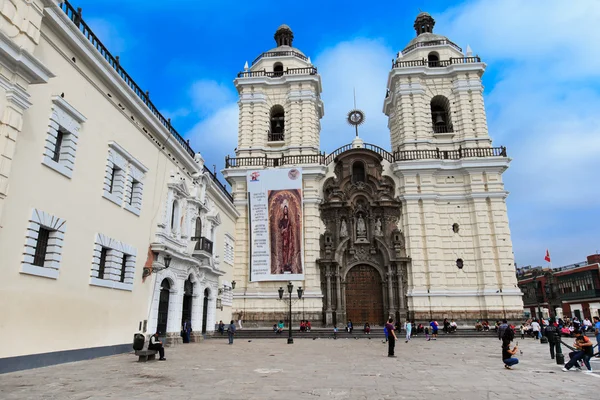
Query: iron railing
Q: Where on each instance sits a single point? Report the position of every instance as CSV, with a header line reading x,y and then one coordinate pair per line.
x,y
437,154
443,128
204,245
431,43
437,63
277,74
376,149
397,156
220,185
76,17
280,54
275,137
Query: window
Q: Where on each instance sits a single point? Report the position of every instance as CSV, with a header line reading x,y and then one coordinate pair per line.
x,y
433,60
228,253
102,264
174,215
62,136
276,133
58,145
440,115
358,172
43,245
113,264
123,268
198,233
278,69
123,179
114,176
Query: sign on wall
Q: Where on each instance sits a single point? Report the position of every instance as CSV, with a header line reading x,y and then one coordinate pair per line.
x,y
275,219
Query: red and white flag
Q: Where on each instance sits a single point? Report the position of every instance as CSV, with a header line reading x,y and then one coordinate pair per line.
x,y
547,258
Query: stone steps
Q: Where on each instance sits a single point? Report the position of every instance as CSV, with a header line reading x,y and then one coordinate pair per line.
x,y
376,333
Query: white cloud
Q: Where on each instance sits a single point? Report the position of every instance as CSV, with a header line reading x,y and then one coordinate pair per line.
x,y
209,96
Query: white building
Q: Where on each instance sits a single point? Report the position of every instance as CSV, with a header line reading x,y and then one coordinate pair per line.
x,y
420,232
96,186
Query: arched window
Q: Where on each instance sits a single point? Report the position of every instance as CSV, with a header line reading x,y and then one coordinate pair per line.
x,y
433,60
277,124
198,233
358,172
440,115
278,69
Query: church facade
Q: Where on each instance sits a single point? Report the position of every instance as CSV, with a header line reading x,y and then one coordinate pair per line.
x,y
418,232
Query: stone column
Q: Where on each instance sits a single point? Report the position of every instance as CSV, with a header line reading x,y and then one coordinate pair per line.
x,y
328,312
339,290
400,275
391,304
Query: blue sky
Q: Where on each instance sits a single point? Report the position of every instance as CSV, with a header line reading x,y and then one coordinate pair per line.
x,y
542,87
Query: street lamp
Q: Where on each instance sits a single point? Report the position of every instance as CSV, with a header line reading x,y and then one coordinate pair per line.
x,y
536,274
290,289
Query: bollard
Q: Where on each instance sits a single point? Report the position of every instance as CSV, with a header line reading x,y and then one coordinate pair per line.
x,y
560,357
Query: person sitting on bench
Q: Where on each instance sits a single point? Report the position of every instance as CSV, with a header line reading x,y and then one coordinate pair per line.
x,y
156,344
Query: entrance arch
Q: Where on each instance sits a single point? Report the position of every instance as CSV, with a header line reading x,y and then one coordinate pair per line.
x,y
163,307
205,310
188,292
364,295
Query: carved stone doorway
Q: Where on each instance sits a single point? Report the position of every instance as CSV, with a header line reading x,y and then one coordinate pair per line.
x,y
364,296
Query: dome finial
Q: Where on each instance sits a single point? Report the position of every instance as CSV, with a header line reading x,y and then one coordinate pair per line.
x,y
424,23
284,36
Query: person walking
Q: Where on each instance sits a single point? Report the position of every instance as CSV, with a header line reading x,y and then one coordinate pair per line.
x,y
391,337
240,317
386,333
186,331
231,331
535,327
501,328
551,332
408,329
597,333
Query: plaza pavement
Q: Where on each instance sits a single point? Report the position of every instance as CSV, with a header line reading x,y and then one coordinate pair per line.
x,y
449,368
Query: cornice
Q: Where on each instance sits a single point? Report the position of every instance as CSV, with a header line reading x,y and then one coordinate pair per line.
x,y
20,61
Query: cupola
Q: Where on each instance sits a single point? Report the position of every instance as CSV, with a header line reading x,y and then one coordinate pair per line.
x,y
424,23
284,36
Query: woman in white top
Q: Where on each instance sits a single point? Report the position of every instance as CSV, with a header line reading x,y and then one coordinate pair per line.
x,y
408,329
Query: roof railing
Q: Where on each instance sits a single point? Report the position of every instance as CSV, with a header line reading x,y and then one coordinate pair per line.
x,y
290,53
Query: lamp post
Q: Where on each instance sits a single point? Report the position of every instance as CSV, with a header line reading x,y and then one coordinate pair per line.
x,y
536,274
290,289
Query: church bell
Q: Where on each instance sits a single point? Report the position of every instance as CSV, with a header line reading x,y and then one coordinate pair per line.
x,y
439,120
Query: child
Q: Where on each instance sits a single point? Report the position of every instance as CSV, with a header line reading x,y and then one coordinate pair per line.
x,y
427,332
385,331
334,332
522,331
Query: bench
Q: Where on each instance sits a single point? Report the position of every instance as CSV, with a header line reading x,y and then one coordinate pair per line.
x,y
145,355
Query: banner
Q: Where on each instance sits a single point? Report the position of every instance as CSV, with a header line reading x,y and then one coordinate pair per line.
x,y
275,219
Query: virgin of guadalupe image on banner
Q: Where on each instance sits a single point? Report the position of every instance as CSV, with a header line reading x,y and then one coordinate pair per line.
x,y
285,231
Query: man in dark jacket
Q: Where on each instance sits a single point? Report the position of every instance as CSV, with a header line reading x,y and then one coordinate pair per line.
x,y
551,332
502,328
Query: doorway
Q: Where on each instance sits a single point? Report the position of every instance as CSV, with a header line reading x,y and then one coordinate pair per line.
x,y
163,307
364,296
205,311
188,292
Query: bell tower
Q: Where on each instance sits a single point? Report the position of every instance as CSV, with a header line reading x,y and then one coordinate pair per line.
x,y
435,94
449,177
280,102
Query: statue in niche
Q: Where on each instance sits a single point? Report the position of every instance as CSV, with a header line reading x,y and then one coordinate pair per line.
x,y
361,229
378,231
344,229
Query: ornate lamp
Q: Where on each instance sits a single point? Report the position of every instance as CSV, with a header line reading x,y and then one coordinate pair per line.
x,y
167,261
290,287
300,291
232,284
280,293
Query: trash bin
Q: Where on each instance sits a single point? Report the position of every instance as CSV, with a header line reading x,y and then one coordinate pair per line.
x,y
138,341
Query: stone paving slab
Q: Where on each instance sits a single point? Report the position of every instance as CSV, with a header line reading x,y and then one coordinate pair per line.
x,y
310,369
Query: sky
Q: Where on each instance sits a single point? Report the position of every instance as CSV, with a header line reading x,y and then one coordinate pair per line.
x,y
542,86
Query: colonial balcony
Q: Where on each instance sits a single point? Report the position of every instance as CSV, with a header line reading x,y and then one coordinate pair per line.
x,y
581,295
443,128
397,156
204,248
280,54
275,137
436,63
278,74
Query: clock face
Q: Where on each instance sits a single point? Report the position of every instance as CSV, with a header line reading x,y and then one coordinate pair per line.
x,y
356,117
